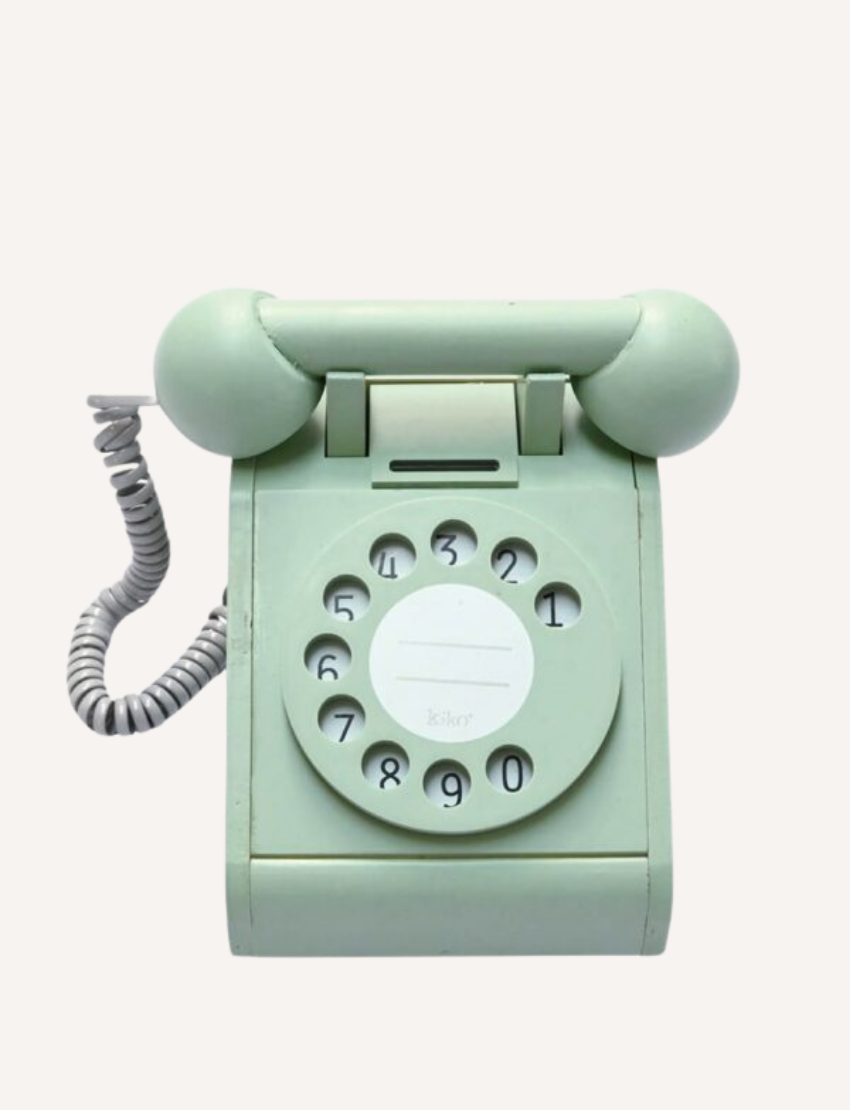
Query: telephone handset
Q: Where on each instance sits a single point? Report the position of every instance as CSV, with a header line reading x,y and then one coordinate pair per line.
x,y
444,616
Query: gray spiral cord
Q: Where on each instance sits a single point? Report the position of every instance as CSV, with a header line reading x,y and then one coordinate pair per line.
x,y
205,658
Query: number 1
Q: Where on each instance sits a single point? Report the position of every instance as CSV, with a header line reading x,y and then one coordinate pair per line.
x,y
553,621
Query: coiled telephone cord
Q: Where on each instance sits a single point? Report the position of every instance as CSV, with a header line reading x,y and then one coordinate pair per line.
x,y
205,658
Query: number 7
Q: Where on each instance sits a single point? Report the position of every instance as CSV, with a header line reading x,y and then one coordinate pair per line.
x,y
349,721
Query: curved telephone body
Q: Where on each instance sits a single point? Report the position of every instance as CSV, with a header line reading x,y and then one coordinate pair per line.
x,y
445,634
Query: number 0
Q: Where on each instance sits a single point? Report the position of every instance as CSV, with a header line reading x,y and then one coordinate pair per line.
x,y
512,783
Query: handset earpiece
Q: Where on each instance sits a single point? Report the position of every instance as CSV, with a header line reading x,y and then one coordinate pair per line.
x,y
222,381
671,385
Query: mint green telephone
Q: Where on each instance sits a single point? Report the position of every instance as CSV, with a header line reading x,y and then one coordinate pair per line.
x,y
444,617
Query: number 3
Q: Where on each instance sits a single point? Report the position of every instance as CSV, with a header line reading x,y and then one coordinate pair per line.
x,y
448,539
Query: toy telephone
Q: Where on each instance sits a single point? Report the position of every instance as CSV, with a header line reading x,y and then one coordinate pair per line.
x,y
443,627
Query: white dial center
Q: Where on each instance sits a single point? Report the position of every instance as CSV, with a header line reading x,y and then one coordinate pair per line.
x,y
451,663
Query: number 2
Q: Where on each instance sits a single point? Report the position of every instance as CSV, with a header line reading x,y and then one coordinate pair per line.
x,y
507,553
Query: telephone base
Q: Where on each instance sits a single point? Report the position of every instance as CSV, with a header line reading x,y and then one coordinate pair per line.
x,y
564,846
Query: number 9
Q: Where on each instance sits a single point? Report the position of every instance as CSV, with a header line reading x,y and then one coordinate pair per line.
x,y
452,787
447,785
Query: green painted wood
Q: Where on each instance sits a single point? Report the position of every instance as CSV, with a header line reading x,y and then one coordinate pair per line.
x,y
240,644
655,709
311,516
436,907
540,405
239,372
434,426
346,415
450,337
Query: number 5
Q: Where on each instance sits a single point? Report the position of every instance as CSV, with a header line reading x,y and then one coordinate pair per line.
x,y
343,610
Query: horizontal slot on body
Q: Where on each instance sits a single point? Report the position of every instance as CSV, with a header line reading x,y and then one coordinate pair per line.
x,y
419,466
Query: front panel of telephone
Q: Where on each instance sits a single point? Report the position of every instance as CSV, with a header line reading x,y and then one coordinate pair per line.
x,y
446,671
